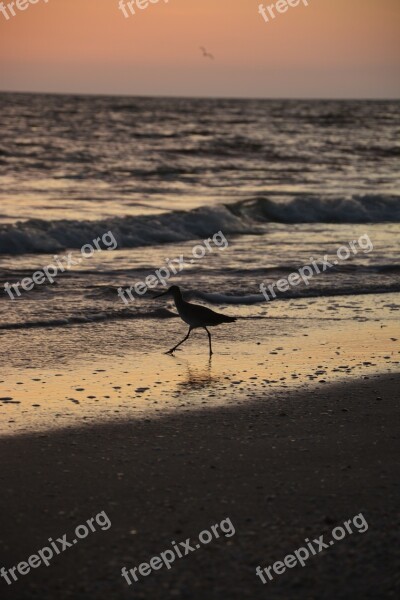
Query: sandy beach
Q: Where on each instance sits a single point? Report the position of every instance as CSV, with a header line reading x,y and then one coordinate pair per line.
x,y
280,471
288,437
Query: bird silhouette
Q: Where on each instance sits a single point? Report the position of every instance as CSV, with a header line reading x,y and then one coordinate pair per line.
x,y
194,315
206,54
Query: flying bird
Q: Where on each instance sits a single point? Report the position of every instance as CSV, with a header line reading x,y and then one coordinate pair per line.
x,y
195,315
206,54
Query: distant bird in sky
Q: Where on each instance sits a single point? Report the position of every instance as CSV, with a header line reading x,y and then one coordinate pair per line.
x,y
195,315
205,53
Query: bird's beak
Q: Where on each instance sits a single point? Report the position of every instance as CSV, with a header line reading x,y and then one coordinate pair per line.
x,y
163,294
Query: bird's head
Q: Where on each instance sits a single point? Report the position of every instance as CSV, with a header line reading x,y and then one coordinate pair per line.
x,y
173,291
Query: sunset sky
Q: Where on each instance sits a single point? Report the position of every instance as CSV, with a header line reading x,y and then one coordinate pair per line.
x,y
331,49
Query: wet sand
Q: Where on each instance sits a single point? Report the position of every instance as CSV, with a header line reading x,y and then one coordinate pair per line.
x,y
281,471
84,387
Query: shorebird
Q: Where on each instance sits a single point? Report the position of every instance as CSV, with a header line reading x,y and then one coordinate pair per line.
x,y
195,315
205,53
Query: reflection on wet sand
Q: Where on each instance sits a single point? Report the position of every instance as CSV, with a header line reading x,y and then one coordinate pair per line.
x,y
137,385
198,376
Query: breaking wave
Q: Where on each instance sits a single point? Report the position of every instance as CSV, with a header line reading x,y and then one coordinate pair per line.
x,y
243,217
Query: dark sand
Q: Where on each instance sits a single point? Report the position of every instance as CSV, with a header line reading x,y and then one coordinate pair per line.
x,y
281,473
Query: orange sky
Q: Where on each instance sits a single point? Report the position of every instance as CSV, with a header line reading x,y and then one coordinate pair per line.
x,y
332,48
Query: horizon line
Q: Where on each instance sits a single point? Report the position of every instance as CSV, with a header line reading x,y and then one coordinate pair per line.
x,y
210,97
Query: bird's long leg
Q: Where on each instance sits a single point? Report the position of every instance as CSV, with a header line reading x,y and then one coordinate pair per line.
x,y
209,340
184,340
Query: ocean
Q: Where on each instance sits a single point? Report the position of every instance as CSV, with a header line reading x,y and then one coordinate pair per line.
x,y
285,181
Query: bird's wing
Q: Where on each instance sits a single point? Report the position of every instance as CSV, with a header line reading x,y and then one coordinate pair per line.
x,y
206,314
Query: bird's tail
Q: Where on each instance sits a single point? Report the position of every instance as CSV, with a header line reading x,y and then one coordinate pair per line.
x,y
229,319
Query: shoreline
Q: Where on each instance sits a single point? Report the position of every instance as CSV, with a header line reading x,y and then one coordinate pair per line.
x,y
281,471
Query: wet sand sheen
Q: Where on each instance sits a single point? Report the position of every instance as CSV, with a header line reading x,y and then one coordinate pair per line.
x,y
136,386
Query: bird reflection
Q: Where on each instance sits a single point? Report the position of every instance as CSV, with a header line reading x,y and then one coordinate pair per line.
x,y
197,377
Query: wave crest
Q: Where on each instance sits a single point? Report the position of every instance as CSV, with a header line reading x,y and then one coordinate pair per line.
x,y
243,217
